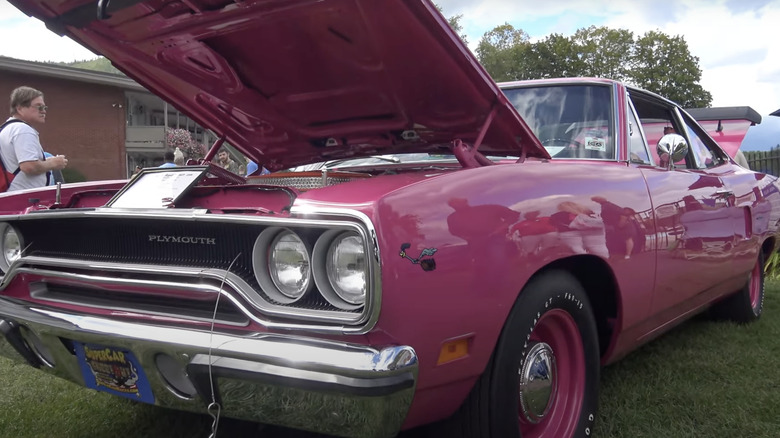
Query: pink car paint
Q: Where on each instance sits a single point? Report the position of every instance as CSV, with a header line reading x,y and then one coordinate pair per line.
x,y
494,248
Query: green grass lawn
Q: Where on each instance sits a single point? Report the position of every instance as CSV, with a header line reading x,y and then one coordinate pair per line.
x,y
703,379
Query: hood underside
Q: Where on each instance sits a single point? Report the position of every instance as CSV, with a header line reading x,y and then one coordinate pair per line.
x,y
290,82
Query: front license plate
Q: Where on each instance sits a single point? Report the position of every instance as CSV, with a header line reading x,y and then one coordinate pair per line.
x,y
113,370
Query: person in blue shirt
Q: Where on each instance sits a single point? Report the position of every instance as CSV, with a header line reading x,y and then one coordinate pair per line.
x,y
168,160
251,168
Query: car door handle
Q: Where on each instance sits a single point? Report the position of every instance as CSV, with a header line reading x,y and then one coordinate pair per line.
x,y
724,194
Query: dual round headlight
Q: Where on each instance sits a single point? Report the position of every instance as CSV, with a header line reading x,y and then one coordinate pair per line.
x,y
10,246
287,266
282,265
345,266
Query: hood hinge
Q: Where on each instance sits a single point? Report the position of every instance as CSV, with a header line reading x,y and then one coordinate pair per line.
x,y
469,156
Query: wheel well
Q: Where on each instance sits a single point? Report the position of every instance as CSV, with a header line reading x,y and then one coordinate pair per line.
x,y
767,247
599,283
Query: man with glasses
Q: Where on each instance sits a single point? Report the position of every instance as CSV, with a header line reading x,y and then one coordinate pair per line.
x,y
20,147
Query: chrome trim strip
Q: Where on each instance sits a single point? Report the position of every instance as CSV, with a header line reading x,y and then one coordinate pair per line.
x,y
178,214
616,122
631,110
530,83
40,292
253,372
347,383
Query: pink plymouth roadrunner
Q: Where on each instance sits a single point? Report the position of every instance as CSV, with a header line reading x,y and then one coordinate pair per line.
x,y
428,246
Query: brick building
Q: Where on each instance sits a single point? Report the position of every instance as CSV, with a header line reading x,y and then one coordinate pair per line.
x,y
105,123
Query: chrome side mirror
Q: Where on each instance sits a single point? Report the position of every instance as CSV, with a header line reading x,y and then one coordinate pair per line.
x,y
671,149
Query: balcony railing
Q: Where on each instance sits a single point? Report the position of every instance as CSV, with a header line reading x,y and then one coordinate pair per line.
x,y
145,137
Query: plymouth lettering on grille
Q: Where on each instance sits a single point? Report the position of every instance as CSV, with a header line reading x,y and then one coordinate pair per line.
x,y
183,239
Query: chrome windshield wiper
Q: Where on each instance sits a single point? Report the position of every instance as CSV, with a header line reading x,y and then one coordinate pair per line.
x,y
388,158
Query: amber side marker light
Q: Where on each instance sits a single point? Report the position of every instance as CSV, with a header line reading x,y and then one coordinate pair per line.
x,y
454,349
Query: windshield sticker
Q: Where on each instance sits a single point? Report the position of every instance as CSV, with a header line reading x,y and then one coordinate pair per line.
x,y
427,264
595,144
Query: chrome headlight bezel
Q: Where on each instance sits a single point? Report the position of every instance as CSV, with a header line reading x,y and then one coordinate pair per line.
x,y
267,276
323,251
6,260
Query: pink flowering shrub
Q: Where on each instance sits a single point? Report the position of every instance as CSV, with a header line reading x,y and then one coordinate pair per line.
x,y
181,138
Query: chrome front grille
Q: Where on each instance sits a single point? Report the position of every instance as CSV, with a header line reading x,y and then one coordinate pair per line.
x,y
92,257
144,241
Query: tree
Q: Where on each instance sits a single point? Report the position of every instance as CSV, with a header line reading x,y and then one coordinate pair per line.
x,y
502,52
664,65
554,57
99,64
603,52
655,61
454,23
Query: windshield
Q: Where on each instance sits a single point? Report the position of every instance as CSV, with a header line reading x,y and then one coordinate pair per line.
x,y
571,121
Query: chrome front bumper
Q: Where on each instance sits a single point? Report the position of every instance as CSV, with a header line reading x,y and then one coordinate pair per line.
x,y
303,383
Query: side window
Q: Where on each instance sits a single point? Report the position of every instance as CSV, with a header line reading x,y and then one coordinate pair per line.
x,y
704,156
637,148
659,118
655,128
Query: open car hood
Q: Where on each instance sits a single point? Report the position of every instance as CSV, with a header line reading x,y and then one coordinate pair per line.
x,y
289,82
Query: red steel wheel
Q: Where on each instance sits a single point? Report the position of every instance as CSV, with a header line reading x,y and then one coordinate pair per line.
x,y
747,304
756,287
542,380
552,378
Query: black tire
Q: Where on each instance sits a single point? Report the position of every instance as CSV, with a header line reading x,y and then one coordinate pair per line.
x,y
551,317
747,304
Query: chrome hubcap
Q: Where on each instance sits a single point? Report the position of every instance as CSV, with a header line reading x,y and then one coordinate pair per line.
x,y
537,383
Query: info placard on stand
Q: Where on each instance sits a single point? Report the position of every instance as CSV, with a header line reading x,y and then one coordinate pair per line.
x,y
157,187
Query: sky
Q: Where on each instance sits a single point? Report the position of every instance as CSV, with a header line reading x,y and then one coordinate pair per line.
x,y
736,41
